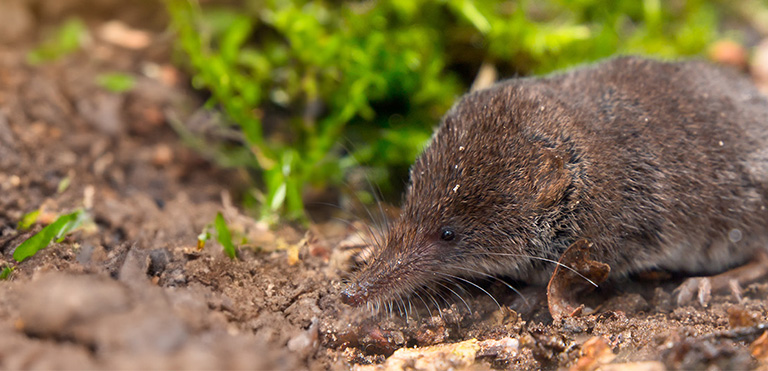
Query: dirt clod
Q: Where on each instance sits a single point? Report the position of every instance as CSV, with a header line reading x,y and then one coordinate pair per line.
x,y
594,353
77,299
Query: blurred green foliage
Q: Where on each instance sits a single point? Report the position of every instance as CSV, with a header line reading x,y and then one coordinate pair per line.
x,y
224,236
66,39
28,220
300,78
6,272
55,231
116,82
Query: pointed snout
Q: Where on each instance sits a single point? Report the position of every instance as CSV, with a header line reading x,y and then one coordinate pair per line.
x,y
354,295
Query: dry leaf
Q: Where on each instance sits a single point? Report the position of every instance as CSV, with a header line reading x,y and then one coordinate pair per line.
x,y
566,286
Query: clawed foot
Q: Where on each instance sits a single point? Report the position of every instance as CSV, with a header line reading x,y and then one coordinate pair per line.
x,y
703,287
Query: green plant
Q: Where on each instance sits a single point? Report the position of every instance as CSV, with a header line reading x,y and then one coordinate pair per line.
x,y
329,62
7,272
223,236
28,220
116,82
63,41
296,76
57,230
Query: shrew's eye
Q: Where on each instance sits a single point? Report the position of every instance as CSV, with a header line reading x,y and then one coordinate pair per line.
x,y
447,234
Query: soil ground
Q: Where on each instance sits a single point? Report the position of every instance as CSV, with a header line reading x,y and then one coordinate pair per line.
x,y
134,292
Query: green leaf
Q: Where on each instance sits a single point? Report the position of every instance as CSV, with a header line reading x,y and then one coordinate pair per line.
x,y
65,40
202,238
6,272
116,82
224,236
56,230
470,11
63,184
28,220
236,34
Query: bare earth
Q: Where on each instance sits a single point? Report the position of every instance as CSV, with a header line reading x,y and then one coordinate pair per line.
x,y
133,292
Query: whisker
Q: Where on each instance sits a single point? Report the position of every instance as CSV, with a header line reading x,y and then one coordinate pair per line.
x,y
377,195
447,304
399,308
366,235
458,296
375,191
425,303
402,304
542,259
359,202
439,310
516,291
369,229
410,307
374,234
471,283
358,231
330,204
459,286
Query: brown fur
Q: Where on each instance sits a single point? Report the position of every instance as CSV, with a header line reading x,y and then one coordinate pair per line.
x,y
656,164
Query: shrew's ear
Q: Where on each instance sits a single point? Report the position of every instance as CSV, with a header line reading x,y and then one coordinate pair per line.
x,y
552,178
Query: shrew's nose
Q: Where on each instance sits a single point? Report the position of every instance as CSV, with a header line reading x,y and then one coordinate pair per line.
x,y
353,295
